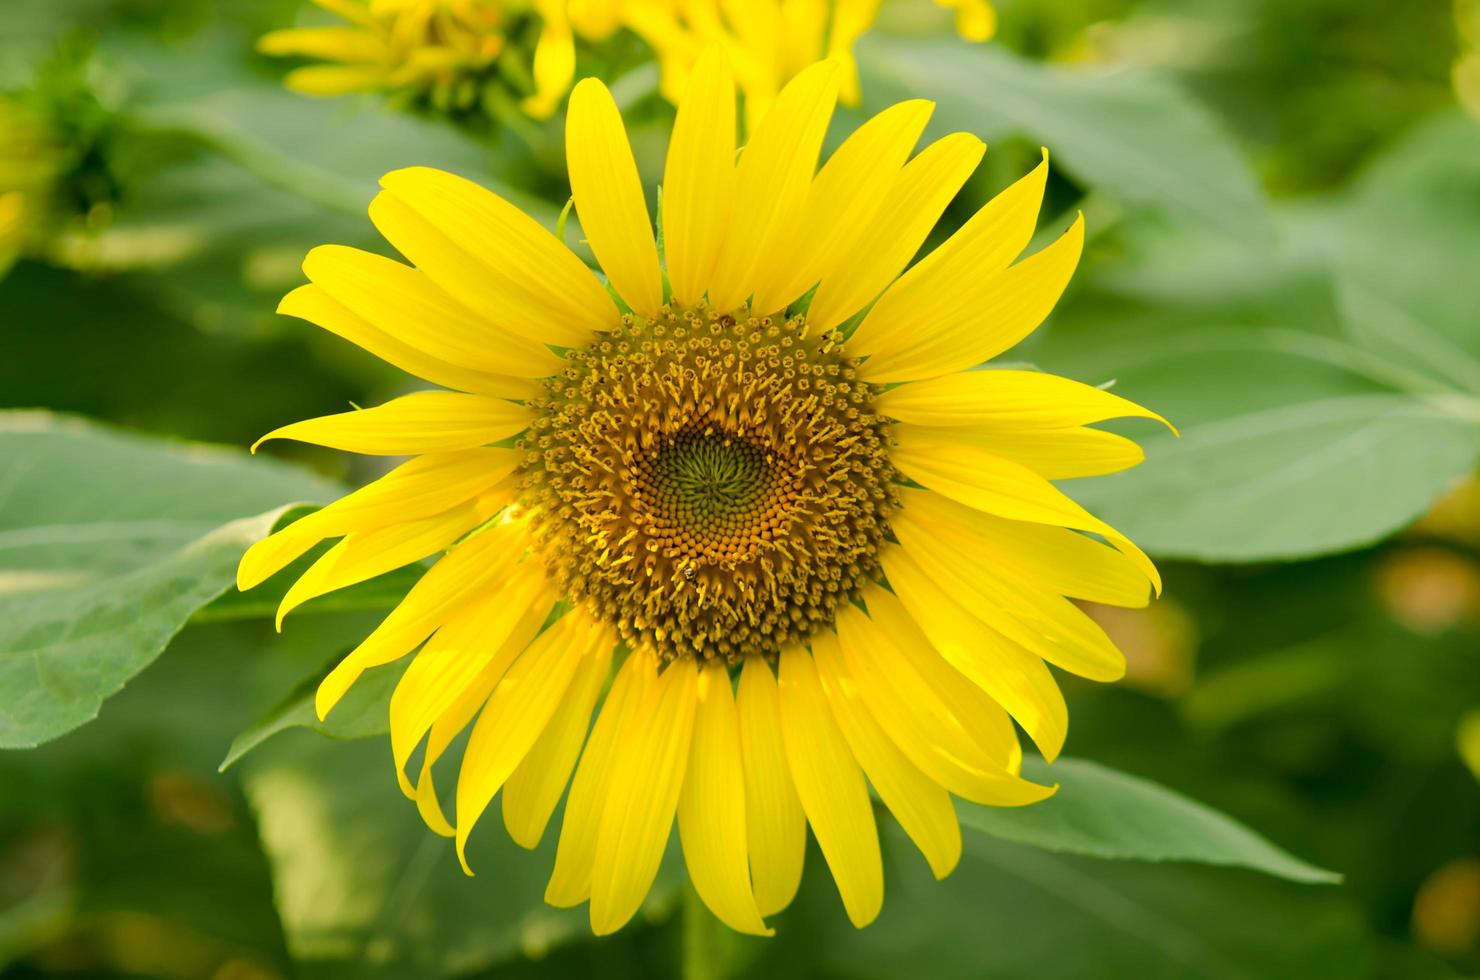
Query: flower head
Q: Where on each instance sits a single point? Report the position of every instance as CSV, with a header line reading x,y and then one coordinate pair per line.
x,y
438,50
755,474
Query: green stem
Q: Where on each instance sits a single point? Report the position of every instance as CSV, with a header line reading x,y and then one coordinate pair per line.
x,y
706,941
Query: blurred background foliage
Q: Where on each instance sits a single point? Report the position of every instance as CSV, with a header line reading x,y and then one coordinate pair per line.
x,y
1283,199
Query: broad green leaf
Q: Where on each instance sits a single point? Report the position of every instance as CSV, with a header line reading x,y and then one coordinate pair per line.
x,y
1295,441
1403,243
1107,814
109,541
1014,911
1136,136
365,890
362,713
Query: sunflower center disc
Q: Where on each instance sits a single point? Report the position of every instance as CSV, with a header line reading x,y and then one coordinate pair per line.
x,y
711,484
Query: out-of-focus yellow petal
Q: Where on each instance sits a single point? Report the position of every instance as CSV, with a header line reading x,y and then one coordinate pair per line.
x,y
554,60
976,20
919,196
831,788
699,177
338,43
775,827
609,198
990,314
522,256
516,715
771,181
532,792
424,422
711,809
842,204
922,808
332,80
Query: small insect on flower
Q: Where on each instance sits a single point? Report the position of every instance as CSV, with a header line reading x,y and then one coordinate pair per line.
x,y
818,556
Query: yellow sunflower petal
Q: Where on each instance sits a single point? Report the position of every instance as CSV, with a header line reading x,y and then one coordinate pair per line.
x,y
771,181
647,777
418,488
922,713
920,195
366,554
474,569
932,291
991,314
831,788
609,198
424,422
841,204
467,697
1040,555
515,306
1015,678
984,720
554,59
922,808
570,882
516,715
332,80
453,674
711,809
313,304
514,247
1054,454
976,20
532,792
406,304
1048,625
699,177
1007,400
979,479
332,43
775,826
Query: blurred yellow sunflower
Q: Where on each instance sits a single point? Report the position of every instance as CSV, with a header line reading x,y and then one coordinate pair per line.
x,y
30,159
437,48
817,562
442,47
769,41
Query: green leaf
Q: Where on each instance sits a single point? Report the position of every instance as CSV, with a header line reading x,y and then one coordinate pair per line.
x,y
1136,136
1107,814
109,541
365,890
362,713
1294,442
1014,911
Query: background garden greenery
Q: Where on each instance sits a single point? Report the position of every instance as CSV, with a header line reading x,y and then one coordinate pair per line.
x,y
1283,199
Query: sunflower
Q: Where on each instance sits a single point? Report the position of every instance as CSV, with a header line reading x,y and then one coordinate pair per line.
x,y
769,41
437,49
817,558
